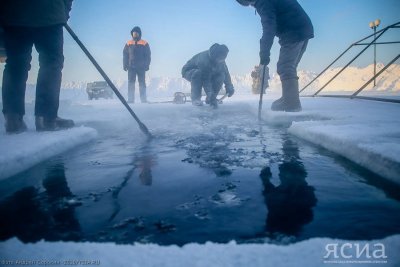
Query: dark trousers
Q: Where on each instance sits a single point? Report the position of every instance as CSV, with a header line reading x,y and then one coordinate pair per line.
x,y
19,41
212,84
132,73
289,58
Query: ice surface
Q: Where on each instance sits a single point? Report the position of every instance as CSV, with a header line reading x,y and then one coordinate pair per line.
x,y
308,253
366,132
22,151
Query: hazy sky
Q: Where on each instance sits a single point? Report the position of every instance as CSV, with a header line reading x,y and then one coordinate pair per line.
x,y
178,29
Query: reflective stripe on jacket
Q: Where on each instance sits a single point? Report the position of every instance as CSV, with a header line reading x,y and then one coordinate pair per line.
x,y
137,55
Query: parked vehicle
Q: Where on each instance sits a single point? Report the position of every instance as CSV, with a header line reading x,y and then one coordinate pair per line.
x,y
96,90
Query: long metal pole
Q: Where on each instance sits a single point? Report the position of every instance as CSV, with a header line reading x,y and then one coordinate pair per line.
x,y
348,64
374,56
322,72
376,75
110,83
395,25
261,93
380,43
354,44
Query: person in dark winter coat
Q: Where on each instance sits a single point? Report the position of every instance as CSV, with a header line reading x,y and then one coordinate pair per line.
x,y
287,20
3,54
38,23
137,57
290,203
208,70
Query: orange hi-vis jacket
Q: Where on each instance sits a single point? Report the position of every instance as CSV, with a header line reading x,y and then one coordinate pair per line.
x,y
137,55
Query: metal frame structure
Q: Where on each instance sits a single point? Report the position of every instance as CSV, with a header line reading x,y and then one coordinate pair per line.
x,y
361,42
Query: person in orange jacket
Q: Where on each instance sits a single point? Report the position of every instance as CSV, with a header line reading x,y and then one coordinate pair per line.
x,y
137,57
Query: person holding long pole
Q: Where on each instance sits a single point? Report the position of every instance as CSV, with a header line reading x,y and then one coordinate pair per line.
x,y
287,20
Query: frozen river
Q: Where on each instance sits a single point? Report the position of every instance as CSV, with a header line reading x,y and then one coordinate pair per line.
x,y
209,175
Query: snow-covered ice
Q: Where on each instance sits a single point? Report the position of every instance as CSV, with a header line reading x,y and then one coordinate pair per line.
x,y
310,253
365,132
22,151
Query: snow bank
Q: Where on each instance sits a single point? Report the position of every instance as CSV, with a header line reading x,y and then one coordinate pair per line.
x,y
22,151
372,152
365,132
309,253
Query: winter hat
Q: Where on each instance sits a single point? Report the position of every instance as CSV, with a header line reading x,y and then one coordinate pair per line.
x,y
246,2
138,30
218,51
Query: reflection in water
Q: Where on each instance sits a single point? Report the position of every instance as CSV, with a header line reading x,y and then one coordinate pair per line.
x,y
61,203
143,161
144,164
55,182
31,215
21,216
290,203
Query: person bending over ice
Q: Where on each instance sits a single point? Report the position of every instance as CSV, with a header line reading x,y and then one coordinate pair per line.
x,y
208,70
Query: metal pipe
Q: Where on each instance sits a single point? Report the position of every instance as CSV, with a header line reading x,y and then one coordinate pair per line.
x,y
375,76
384,29
322,72
348,64
354,44
364,98
110,83
374,56
261,93
381,43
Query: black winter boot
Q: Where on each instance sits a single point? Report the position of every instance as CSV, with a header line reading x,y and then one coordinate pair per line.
x,y
290,100
14,124
46,124
64,123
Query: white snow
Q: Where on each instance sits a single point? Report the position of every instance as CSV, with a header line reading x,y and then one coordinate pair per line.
x,y
310,253
22,151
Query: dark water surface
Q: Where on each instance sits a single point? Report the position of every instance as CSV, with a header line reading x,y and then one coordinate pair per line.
x,y
219,178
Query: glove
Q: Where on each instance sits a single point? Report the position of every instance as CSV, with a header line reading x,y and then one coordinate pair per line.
x,y
230,92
